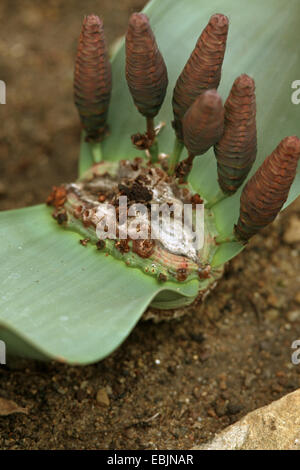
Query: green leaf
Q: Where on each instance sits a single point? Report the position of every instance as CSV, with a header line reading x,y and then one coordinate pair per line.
x,y
225,252
85,155
263,41
63,301
60,300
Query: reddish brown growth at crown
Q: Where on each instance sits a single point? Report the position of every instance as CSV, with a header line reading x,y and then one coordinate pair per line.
x,y
92,78
203,126
267,190
143,248
203,69
146,72
236,151
58,197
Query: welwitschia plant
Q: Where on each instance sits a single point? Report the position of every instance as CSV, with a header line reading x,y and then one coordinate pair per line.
x,y
74,285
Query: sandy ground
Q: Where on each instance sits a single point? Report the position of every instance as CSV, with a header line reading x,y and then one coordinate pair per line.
x,y
171,385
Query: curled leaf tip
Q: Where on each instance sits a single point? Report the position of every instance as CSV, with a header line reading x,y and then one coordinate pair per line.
x,y
202,70
236,150
146,72
268,189
92,78
203,123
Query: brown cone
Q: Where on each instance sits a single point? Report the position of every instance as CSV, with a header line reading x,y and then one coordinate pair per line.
x,y
203,123
236,151
92,78
146,72
203,69
268,189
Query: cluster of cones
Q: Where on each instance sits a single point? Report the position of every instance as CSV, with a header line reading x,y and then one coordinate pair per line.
x,y
200,119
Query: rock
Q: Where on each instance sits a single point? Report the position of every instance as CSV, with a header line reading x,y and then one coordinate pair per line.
x,y
292,233
249,379
272,427
297,298
276,301
102,397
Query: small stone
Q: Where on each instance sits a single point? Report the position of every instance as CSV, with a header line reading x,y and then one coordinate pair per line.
x,y
249,379
197,392
272,427
292,233
211,412
233,408
271,314
102,397
293,316
223,384
275,301
221,410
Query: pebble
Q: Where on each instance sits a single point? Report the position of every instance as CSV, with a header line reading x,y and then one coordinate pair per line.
x,y
102,397
221,410
271,314
293,316
249,379
211,412
233,408
197,392
297,298
275,301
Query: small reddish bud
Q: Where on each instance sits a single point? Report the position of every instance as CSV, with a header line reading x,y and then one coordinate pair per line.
x,y
236,150
268,189
203,69
58,197
146,72
92,78
143,248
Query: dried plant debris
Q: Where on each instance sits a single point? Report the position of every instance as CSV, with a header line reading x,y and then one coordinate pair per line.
x,y
236,150
268,189
170,253
8,407
203,69
92,79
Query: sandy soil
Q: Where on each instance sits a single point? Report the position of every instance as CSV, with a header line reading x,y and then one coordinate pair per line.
x,y
170,385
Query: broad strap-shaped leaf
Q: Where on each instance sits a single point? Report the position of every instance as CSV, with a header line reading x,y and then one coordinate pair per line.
x,y
60,300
